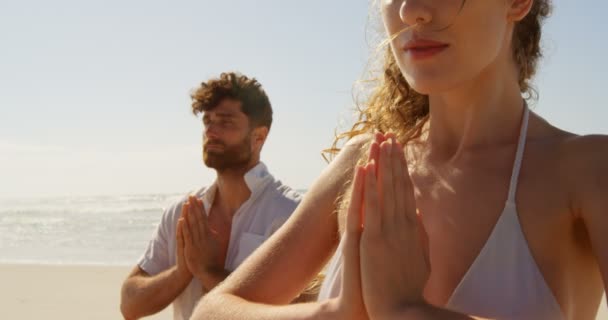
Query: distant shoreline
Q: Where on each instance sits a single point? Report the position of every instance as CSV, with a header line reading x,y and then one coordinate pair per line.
x,y
99,195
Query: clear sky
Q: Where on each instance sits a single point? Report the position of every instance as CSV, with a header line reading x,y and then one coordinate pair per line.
x,y
94,95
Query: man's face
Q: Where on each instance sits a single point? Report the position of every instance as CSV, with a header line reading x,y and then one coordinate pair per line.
x,y
226,137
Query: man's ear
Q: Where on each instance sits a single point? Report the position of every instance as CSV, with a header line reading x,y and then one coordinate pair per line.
x,y
519,9
258,137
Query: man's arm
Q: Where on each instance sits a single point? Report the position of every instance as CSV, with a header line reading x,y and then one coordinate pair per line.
x,y
143,295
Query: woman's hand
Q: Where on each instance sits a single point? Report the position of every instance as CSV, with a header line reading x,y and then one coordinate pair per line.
x,y
393,245
349,304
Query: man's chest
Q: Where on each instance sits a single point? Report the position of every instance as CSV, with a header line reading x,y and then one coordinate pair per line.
x,y
220,225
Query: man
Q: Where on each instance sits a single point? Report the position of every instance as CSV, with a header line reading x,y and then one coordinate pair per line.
x,y
205,236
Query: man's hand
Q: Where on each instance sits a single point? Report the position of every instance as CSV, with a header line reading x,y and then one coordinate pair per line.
x,y
201,246
181,265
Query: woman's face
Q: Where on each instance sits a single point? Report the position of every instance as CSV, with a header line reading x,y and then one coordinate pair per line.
x,y
451,41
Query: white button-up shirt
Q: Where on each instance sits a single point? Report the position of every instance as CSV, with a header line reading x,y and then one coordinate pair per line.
x,y
268,207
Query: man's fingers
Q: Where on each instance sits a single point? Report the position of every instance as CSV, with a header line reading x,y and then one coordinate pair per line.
x,y
202,205
203,216
186,233
191,219
179,237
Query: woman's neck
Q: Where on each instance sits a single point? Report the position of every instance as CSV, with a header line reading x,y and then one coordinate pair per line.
x,y
481,113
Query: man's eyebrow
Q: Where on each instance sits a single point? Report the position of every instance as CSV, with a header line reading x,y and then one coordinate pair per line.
x,y
220,115
226,115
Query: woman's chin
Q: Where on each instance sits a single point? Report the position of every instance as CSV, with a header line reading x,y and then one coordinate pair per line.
x,y
428,87
429,83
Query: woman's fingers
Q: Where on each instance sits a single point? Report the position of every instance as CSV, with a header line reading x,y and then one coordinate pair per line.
x,y
379,138
371,203
408,195
399,181
354,218
386,189
352,269
374,152
374,148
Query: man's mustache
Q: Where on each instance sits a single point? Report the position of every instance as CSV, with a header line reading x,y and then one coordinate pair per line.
x,y
214,143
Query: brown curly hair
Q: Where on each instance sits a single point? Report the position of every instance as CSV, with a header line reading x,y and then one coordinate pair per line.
x,y
393,106
233,85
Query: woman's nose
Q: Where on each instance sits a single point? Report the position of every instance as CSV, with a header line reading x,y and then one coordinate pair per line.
x,y
414,12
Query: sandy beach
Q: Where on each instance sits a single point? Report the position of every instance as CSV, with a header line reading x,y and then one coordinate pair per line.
x,y
71,292
63,292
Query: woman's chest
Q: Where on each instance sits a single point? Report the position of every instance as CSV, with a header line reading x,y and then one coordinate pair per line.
x,y
464,207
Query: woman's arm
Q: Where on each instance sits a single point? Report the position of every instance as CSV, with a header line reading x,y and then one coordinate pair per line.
x,y
282,267
589,168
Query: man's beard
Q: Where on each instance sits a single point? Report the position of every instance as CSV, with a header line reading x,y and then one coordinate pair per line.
x,y
230,158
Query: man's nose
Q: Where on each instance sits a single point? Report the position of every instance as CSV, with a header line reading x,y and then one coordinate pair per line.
x,y
211,131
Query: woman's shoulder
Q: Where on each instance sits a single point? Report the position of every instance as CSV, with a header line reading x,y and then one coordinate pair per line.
x,y
588,151
354,149
574,153
340,170
359,141
583,160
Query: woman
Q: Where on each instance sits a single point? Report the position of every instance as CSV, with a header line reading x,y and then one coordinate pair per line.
x,y
473,206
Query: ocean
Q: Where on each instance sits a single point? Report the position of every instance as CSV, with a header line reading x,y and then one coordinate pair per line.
x,y
79,230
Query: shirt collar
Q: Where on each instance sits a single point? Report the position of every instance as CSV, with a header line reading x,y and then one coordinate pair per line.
x,y
254,179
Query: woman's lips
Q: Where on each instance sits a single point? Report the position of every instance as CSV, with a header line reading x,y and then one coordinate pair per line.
x,y
422,49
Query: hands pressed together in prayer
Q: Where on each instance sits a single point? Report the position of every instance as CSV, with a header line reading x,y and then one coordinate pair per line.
x,y
198,248
386,264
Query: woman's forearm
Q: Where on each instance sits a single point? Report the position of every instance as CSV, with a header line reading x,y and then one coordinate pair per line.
x,y
427,312
219,306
